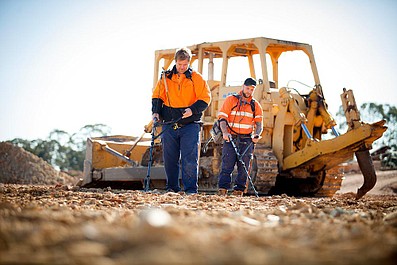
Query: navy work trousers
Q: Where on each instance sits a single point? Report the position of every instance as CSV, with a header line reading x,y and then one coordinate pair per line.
x,y
229,160
180,153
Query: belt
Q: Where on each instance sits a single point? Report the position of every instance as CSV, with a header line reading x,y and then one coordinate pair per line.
x,y
177,125
241,135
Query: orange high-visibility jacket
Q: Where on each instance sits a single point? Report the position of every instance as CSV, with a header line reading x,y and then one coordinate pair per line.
x,y
237,111
188,90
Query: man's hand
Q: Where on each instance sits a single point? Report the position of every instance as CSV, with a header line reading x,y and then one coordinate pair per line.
x,y
255,138
155,117
226,136
187,113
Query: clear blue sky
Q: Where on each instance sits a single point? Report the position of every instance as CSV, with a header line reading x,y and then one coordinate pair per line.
x,y
66,64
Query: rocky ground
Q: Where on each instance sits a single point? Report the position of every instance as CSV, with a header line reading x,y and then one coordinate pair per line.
x,y
63,224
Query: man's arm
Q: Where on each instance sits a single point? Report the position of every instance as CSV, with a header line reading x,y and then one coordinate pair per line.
x,y
157,105
225,132
258,131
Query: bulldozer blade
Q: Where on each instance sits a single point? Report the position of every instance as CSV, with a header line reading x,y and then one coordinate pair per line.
x,y
367,169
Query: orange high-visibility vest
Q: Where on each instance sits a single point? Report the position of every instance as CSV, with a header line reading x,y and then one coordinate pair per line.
x,y
238,112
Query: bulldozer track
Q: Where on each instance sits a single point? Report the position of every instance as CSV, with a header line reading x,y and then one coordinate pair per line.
x,y
265,169
332,182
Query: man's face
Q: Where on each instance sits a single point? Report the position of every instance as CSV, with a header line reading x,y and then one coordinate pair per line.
x,y
182,66
248,91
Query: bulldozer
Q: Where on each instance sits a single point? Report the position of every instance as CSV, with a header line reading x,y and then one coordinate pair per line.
x,y
300,152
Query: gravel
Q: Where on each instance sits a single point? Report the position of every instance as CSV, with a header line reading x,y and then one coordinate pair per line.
x,y
60,223
67,225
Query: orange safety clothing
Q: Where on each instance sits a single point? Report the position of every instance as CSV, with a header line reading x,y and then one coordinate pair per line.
x,y
237,111
188,90
182,91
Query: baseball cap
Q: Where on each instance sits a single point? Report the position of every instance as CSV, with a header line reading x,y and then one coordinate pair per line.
x,y
250,82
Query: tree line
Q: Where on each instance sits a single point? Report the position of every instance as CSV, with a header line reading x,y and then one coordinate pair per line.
x,y
62,150
372,112
67,151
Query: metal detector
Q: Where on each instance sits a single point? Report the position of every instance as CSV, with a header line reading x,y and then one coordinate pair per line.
x,y
240,159
146,181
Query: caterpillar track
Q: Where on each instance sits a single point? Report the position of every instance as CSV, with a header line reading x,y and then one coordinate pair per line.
x,y
265,169
265,172
332,182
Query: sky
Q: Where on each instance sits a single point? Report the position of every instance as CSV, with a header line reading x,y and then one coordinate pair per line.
x,y
69,63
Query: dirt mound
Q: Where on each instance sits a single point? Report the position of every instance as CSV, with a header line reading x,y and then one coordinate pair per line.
x,y
392,187
18,166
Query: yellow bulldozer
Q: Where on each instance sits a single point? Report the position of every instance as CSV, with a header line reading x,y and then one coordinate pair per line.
x,y
296,155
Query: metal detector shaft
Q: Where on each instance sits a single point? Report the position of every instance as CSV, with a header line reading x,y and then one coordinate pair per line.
x,y
147,179
240,159
154,137
250,164
246,149
128,152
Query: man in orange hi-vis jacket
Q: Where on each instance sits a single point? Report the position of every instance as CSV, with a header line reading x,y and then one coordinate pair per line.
x,y
179,99
240,119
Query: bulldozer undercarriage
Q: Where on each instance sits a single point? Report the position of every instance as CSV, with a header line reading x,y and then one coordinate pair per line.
x,y
267,179
307,179
265,176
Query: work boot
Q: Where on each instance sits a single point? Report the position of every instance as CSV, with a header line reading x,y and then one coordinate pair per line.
x,y
222,192
238,193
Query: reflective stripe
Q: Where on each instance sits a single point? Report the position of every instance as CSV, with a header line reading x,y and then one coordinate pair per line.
x,y
241,126
240,117
223,114
242,113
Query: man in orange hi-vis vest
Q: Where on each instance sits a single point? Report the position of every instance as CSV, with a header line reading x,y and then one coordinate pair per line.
x,y
179,99
240,119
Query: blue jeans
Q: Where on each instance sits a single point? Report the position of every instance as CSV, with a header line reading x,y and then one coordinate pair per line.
x,y
229,160
180,153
